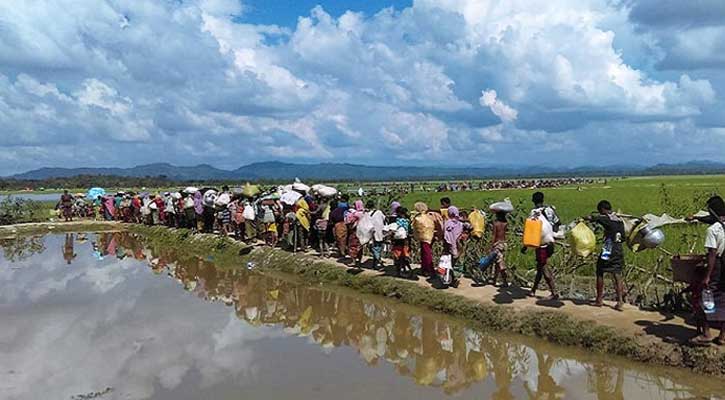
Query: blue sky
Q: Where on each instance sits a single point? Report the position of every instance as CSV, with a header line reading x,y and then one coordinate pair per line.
x,y
426,82
286,12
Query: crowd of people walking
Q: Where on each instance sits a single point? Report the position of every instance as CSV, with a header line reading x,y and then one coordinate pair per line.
x,y
303,219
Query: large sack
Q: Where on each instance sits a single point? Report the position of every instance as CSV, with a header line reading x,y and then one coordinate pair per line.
x,y
582,240
249,213
365,229
439,225
223,200
327,191
290,198
300,187
400,233
502,206
390,228
478,221
547,231
209,198
424,228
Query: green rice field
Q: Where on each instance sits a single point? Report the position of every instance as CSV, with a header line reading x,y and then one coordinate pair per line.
x,y
678,196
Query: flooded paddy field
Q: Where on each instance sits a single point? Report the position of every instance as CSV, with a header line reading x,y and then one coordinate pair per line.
x,y
102,316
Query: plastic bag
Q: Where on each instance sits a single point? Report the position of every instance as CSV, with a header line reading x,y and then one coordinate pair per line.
x,y
222,200
487,261
250,190
249,213
445,265
582,240
400,233
547,231
478,221
502,206
365,229
268,216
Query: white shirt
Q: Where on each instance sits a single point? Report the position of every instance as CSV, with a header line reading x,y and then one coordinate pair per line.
x,y
715,238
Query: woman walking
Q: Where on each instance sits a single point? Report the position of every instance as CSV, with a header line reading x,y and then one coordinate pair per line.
x,y
424,230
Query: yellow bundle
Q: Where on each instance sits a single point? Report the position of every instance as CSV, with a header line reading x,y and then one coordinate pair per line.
x,y
250,190
478,222
582,240
423,228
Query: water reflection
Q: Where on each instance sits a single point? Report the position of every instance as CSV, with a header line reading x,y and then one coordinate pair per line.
x,y
432,350
22,247
427,349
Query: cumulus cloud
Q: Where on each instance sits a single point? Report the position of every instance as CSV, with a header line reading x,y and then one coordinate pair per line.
x,y
192,82
502,110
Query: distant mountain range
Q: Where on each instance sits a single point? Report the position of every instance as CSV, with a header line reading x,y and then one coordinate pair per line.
x,y
279,171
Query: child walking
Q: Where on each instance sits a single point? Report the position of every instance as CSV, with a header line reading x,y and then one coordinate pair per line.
x,y
611,259
500,229
401,245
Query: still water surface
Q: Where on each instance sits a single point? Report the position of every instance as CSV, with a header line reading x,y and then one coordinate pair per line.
x,y
100,313
33,196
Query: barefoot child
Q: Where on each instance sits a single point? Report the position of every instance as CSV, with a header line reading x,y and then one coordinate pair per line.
x,y
500,228
611,259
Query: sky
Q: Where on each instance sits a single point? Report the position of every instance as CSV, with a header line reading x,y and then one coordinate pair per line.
x,y
421,82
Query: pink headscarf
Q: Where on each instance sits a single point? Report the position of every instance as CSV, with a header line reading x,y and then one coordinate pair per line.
x,y
354,215
453,227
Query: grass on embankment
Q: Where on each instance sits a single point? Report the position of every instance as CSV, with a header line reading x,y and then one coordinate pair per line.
x,y
58,227
553,326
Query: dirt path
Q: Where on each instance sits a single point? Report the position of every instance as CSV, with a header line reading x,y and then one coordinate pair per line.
x,y
632,321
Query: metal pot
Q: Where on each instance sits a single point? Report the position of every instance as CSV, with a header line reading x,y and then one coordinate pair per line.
x,y
651,238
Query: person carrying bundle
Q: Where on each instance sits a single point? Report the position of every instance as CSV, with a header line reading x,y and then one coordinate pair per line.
x,y
611,259
401,243
544,250
424,229
377,222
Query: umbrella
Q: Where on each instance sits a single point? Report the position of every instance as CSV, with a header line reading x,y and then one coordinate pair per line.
x,y
93,193
191,190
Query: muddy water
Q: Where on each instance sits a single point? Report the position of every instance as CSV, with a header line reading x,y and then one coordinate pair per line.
x,y
100,316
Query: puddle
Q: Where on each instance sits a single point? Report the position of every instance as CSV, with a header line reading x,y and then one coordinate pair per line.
x,y
86,313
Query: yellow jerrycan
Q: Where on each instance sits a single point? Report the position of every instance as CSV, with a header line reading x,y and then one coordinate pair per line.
x,y
532,232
